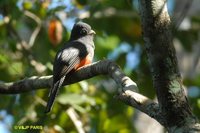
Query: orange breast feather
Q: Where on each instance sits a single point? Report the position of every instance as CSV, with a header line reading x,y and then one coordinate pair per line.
x,y
87,60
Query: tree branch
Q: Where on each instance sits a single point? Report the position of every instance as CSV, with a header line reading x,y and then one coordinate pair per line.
x,y
105,67
143,104
26,85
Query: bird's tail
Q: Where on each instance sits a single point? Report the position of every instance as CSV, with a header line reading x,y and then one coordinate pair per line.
x,y
53,93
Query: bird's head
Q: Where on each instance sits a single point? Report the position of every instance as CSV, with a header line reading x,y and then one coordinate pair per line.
x,y
80,30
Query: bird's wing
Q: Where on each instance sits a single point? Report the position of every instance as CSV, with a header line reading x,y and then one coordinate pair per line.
x,y
67,59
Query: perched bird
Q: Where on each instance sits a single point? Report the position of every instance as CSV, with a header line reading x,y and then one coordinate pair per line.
x,y
78,51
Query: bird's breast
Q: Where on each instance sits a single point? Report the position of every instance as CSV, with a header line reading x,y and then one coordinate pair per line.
x,y
85,61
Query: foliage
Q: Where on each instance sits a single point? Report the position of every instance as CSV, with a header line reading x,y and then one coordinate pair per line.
x,y
119,37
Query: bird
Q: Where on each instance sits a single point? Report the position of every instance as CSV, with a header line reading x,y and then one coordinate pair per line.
x,y
77,52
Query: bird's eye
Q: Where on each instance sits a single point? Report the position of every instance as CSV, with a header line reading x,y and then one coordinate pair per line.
x,y
83,32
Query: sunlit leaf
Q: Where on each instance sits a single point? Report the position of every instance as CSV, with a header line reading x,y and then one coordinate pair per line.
x,y
16,68
27,5
109,42
75,99
198,103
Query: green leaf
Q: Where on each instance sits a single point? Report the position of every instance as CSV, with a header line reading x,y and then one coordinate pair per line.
x,y
75,99
109,42
16,68
198,103
27,5
79,108
3,59
117,120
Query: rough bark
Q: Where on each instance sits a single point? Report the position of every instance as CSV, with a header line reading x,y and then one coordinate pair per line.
x,y
157,35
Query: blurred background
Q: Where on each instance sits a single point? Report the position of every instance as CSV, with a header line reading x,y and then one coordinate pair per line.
x,y
32,31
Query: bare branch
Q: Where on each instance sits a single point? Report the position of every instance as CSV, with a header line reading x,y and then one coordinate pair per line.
x,y
14,34
37,29
76,120
104,67
33,16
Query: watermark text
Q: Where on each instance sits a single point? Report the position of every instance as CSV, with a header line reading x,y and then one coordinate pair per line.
x,y
28,127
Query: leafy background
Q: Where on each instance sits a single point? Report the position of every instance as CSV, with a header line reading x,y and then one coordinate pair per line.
x,y
119,37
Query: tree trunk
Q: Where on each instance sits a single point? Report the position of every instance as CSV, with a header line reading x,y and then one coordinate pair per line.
x,y
167,81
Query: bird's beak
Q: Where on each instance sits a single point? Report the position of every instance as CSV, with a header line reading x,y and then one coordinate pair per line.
x,y
92,32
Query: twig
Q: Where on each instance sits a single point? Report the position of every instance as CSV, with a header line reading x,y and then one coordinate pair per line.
x,y
183,12
75,118
14,33
37,29
40,100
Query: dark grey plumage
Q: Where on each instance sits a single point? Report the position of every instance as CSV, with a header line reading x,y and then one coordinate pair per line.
x,y
79,46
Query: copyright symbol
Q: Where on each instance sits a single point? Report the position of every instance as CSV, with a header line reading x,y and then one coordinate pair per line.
x,y
15,127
